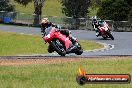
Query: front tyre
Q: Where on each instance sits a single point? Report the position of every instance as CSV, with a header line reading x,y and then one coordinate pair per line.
x,y
59,47
110,35
50,49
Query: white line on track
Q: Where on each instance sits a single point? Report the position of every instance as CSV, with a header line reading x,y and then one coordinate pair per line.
x,y
106,47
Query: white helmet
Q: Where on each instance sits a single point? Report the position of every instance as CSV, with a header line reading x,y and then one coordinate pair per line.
x,y
44,20
95,17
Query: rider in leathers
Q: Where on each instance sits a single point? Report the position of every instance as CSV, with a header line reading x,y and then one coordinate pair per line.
x,y
45,24
95,25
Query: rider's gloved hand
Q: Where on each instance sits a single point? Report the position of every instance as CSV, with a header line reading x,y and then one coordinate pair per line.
x,y
69,32
43,33
58,27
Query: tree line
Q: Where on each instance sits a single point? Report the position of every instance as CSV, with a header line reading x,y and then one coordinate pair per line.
x,y
108,9
116,10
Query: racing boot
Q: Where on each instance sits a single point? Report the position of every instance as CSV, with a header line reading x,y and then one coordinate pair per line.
x,y
73,39
97,33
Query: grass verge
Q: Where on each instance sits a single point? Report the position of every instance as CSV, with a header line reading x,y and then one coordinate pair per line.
x,y
17,44
60,74
51,8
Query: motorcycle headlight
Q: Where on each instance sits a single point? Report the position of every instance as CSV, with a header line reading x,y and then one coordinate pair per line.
x,y
48,36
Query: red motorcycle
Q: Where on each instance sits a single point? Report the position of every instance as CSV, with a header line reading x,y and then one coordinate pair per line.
x,y
105,31
60,43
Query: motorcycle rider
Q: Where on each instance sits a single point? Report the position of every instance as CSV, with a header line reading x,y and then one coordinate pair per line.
x,y
95,25
45,24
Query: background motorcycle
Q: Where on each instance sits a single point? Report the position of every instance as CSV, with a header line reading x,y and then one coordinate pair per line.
x,y
105,31
59,42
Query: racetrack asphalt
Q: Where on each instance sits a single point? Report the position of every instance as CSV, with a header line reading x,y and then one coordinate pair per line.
x,y
122,43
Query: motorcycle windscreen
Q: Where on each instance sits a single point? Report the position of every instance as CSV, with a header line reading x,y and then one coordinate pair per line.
x,y
47,30
102,25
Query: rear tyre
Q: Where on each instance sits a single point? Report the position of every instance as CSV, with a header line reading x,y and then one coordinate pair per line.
x,y
110,35
79,50
104,37
59,47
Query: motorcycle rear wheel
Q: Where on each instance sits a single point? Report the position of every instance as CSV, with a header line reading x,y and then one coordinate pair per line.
x,y
104,37
79,49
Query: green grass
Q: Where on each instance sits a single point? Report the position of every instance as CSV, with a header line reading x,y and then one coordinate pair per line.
x,y
12,44
62,75
17,44
51,8
90,45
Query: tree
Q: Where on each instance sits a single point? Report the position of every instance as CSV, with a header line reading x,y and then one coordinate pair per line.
x,y
116,10
38,5
23,2
130,13
129,2
95,3
75,8
98,2
6,6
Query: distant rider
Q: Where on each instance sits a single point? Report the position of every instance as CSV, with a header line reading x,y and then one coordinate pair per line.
x,y
95,25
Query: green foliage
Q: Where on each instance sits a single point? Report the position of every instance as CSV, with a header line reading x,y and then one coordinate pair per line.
x,y
95,3
129,2
38,4
23,2
130,14
114,10
16,44
75,8
50,8
6,6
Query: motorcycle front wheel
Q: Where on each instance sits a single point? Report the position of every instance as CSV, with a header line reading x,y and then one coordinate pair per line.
x,y
59,47
110,35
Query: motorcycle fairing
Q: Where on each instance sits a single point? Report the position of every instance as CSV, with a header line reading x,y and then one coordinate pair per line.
x,y
53,34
